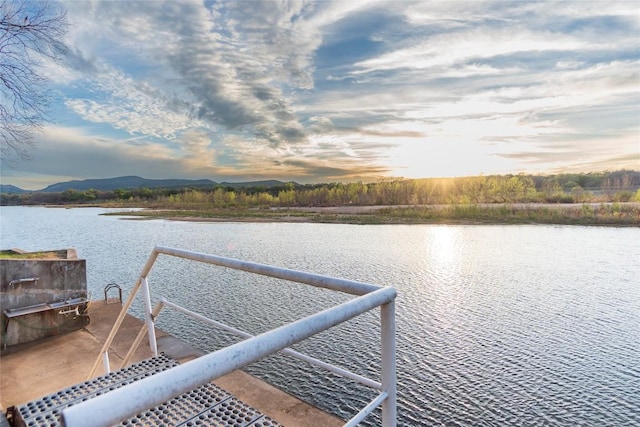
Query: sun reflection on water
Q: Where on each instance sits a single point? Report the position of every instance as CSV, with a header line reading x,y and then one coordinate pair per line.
x,y
443,244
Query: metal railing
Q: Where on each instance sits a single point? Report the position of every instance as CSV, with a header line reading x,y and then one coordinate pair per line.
x,y
137,397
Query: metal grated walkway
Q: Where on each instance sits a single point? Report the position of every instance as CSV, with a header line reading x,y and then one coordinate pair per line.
x,y
208,405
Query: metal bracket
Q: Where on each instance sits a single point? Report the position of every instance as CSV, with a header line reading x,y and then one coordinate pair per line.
x,y
70,311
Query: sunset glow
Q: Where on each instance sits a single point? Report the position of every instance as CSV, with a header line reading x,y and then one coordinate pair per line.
x,y
340,91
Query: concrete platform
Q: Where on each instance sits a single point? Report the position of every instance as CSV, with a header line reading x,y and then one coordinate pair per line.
x,y
32,370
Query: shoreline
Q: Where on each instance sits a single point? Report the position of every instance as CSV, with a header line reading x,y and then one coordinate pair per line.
x,y
589,214
604,214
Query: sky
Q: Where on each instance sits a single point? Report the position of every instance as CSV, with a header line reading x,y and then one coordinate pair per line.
x,y
346,90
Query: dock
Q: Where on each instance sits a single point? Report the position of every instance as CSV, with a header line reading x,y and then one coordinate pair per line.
x,y
30,371
143,376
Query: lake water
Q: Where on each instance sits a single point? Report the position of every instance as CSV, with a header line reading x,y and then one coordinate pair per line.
x,y
496,325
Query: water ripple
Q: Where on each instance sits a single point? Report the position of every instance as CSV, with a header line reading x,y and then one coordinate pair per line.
x,y
496,325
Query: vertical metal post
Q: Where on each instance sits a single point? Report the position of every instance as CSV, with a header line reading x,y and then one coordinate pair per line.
x,y
140,336
389,406
123,312
146,295
105,362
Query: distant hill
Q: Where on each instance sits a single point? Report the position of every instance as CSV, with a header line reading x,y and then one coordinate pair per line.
x,y
133,182
125,182
12,189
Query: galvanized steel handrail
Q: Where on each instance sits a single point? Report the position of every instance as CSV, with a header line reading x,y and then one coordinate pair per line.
x,y
125,402
295,354
347,286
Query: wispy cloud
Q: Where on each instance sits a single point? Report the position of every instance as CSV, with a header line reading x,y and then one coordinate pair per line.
x,y
342,90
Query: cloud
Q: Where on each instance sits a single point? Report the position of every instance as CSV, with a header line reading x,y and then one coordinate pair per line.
x,y
344,89
313,171
137,113
473,45
226,66
196,155
523,79
572,159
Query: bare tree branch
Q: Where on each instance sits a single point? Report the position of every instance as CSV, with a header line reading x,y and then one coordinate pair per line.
x,y
30,32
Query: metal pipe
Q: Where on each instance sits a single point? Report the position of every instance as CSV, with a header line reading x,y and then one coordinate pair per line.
x,y
148,317
388,338
123,312
343,285
139,337
364,412
300,356
105,362
122,403
28,279
115,328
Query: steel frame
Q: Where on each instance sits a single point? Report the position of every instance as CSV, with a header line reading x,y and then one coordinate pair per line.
x,y
134,398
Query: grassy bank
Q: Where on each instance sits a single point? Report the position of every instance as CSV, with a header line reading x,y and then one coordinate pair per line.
x,y
625,214
612,214
9,254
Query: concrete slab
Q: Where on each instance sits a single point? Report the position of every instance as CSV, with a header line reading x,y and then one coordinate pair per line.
x,y
103,317
32,370
282,407
45,366
177,349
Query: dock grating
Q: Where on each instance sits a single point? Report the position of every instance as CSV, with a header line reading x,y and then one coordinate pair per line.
x,y
208,405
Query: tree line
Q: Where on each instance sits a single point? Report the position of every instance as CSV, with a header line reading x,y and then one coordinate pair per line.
x,y
619,186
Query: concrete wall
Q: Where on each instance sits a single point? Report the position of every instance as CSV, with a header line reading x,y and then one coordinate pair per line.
x,y
61,276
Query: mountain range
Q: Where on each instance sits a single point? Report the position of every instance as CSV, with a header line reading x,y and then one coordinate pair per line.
x,y
132,182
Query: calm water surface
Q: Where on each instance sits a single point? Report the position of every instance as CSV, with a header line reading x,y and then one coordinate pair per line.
x,y
497,325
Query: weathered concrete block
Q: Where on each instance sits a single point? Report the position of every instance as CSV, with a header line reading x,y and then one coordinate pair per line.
x,y
30,279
